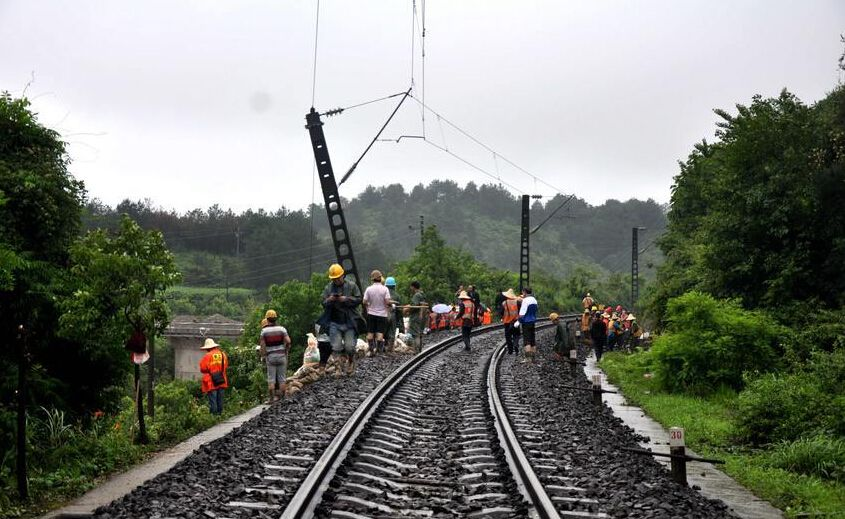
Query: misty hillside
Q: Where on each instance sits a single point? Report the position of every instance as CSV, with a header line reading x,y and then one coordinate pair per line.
x,y
217,247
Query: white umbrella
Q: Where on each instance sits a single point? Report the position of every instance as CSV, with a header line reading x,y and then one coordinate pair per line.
x,y
441,308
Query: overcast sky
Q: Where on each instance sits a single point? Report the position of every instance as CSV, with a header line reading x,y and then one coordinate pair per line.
x,y
195,102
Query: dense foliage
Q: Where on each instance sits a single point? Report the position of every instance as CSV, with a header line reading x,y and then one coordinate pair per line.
x,y
751,295
753,215
254,249
40,204
801,403
708,344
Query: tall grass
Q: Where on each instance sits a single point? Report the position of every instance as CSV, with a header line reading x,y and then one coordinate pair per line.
x,y
819,456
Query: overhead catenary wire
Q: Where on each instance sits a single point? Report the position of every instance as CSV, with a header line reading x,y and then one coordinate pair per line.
x,y
474,166
466,134
337,111
561,206
316,37
355,164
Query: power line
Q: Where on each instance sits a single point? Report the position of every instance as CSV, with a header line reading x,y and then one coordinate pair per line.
x,y
316,34
413,36
311,217
470,164
422,44
338,111
486,147
355,164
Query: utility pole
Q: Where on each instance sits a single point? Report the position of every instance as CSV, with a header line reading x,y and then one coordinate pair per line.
x,y
23,368
238,241
422,227
331,197
635,265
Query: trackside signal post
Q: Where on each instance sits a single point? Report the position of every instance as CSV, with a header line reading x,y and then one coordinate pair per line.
x,y
331,197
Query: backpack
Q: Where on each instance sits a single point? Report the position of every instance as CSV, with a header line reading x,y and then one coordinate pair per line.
x,y
217,378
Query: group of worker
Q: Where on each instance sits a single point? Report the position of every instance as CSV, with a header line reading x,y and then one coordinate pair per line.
x,y
608,328
379,312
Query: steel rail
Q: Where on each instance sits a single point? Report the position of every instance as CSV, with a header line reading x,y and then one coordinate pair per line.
x,y
526,479
310,492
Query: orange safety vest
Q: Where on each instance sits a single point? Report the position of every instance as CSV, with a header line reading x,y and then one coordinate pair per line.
x,y
214,360
511,311
585,322
469,311
488,317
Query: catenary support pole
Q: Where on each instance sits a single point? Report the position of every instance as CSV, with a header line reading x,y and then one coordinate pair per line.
x,y
524,277
331,197
635,267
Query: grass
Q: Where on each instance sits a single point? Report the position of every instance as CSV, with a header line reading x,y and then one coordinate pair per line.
x,y
66,460
772,473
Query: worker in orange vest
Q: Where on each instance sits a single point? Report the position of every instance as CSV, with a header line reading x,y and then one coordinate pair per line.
x,y
510,313
488,317
467,314
213,366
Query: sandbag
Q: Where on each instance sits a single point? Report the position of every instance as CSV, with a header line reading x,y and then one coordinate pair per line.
x,y
311,356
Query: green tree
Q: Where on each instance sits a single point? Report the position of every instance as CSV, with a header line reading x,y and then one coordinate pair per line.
x,y
40,204
120,279
754,215
440,269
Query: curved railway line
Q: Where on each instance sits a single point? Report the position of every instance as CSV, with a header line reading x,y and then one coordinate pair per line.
x,y
416,449
448,433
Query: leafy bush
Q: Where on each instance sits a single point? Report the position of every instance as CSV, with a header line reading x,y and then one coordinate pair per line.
x,y
784,407
776,407
711,343
819,331
246,371
820,456
178,411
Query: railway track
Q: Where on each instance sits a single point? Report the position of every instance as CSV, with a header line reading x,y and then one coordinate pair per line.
x,y
447,434
434,440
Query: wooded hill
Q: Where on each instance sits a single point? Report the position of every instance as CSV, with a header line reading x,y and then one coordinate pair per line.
x,y
217,247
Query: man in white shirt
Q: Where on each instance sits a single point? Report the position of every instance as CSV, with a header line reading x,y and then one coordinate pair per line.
x,y
377,302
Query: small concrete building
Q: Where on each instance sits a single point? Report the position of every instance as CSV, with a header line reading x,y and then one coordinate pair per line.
x,y
187,333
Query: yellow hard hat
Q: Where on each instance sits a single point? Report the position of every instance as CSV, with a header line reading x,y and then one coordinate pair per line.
x,y
270,314
335,271
553,316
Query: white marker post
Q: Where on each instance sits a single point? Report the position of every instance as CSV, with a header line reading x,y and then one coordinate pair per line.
x,y
677,449
597,389
573,361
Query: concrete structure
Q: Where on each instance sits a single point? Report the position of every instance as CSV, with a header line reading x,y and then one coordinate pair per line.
x,y
187,333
